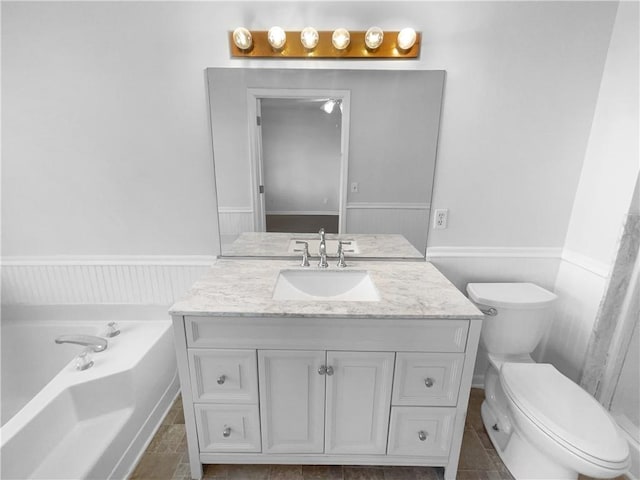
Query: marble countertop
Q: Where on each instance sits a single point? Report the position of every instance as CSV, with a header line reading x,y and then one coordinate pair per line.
x,y
244,287
276,244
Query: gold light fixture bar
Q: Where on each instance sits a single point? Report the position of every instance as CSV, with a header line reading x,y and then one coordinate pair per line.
x,y
293,48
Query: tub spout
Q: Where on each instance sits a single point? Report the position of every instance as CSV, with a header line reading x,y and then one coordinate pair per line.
x,y
97,344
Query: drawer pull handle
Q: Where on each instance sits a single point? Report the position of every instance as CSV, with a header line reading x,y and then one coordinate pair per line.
x,y
428,382
226,432
329,371
322,370
221,379
422,435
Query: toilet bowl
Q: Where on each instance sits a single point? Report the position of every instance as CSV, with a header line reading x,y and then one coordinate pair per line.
x,y
541,423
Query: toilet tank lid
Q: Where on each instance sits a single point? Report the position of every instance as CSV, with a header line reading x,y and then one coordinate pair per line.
x,y
510,295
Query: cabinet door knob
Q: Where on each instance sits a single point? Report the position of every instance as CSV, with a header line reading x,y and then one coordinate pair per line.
x,y
221,379
429,382
329,370
422,435
226,432
322,370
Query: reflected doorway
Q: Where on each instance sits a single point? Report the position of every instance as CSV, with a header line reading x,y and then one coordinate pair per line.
x,y
300,167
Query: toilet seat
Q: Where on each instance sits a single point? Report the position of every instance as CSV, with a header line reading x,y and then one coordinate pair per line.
x,y
565,413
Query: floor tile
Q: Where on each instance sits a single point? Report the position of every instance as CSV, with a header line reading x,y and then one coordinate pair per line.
x,y
363,473
473,455
322,472
285,472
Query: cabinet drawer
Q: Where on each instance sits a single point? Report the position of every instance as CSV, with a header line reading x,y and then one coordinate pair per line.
x,y
228,428
421,431
429,379
363,334
224,376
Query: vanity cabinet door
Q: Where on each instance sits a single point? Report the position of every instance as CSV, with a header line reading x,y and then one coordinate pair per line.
x,y
291,400
358,402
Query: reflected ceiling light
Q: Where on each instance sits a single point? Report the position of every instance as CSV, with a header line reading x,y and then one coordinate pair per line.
x,y
373,38
406,38
309,38
276,37
330,104
340,38
242,38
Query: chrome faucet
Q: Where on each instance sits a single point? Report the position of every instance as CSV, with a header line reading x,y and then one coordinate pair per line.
x,y
341,250
322,248
96,344
305,252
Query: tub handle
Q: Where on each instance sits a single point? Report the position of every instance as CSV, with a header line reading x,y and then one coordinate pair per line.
x,y
226,432
221,379
489,311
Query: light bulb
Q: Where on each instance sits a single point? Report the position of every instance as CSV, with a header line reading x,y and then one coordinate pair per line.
x,y
373,38
277,37
309,38
242,38
406,38
341,38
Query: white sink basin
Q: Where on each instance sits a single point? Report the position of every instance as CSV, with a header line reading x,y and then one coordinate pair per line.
x,y
344,285
332,246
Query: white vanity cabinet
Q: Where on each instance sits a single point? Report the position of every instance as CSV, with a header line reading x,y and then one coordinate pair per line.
x,y
325,402
312,390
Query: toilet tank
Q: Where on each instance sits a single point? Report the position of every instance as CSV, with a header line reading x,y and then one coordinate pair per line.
x,y
521,317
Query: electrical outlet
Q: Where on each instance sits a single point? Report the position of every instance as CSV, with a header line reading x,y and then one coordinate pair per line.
x,y
440,218
354,187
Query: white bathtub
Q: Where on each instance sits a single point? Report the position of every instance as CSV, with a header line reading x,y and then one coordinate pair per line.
x,y
61,423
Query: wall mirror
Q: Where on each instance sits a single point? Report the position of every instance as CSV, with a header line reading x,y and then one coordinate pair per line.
x,y
352,151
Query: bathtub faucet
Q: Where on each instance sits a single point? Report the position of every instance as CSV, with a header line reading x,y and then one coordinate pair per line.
x,y
97,344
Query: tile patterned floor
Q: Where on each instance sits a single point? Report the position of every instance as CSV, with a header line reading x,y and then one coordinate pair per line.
x,y
166,458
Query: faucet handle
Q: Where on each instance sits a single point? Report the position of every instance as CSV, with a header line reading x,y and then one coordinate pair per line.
x,y
305,252
341,243
112,330
84,360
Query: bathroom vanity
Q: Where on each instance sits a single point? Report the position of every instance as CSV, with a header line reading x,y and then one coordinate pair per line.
x,y
368,365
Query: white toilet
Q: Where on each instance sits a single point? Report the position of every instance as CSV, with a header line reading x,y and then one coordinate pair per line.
x,y
542,424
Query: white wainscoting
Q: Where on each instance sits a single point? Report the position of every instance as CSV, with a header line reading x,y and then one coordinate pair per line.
x,y
235,220
116,280
463,265
580,286
409,219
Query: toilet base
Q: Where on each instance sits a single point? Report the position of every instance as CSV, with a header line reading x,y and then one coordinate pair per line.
x,y
523,460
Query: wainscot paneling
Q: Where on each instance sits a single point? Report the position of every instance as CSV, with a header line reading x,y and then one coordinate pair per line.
x,y
118,280
235,220
463,265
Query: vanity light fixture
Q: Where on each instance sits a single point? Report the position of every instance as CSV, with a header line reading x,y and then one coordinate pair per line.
x,y
340,38
373,38
406,38
309,38
373,43
277,37
242,38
